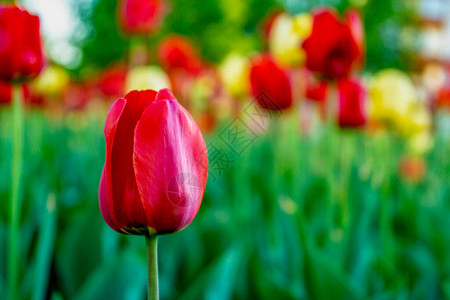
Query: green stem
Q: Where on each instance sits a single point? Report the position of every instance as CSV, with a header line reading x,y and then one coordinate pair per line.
x,y
15,205
152,266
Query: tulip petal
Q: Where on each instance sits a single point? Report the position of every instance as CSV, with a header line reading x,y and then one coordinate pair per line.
x,y
126,200
164,94
170,163
105,190
176,52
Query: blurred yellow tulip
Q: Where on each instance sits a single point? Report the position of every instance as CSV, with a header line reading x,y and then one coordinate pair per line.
x,y
234,74
202,91
51,81
286,36
421,143
416,120
146,77
303,25
394,100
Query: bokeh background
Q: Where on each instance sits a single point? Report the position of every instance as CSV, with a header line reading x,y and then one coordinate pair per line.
x,y
300,208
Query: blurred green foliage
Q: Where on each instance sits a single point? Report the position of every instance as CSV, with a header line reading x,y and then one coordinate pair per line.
x,y
215,26
319,217
102,42
218,27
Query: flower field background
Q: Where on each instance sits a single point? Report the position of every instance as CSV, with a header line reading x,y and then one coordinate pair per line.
x,y
304,200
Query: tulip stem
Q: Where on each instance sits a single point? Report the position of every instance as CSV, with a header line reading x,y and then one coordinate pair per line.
x,y
152,266
15,204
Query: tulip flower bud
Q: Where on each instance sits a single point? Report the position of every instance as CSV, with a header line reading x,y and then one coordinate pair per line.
x,y
5,92
20,44
270,83
112,81
352,96
331,49
315,89
394,98
156,165
141,16
176,52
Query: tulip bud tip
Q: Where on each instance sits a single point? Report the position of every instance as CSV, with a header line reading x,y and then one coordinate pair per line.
x,y
165,94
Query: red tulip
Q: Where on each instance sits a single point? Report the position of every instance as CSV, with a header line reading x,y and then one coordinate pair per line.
x,y
112,81
141,16
156,165
270,83
5,92
331,48
316,90
443,97
76,96
351,103
176,52
20,44
32,98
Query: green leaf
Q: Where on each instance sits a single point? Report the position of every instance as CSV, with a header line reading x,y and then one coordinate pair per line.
x,y
217,281
122,277
45,248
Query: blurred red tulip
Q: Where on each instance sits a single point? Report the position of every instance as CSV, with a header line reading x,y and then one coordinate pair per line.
x,y
156,165
76,96
412,169
270,83
5,92
207,122
20,44
141,16
443,98
352,96
316,90
31,97
176,52
112,81
355,23
331,48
